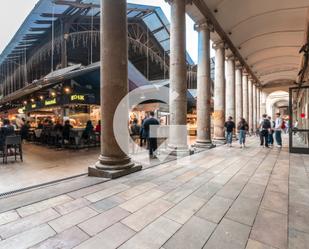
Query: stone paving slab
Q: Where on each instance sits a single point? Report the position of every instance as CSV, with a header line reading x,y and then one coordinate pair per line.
x,y
185,238
64,240
270,228
229,198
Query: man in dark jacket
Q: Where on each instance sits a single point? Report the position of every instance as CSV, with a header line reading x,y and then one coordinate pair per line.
x,y
152,141
265,127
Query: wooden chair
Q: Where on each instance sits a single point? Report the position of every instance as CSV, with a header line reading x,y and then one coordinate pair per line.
x,y
12,142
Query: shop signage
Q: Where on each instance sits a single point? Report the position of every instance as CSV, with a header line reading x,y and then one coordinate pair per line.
x,y
50,102
77,97
33,106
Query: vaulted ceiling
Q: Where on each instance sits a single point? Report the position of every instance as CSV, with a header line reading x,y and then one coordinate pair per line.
x,y
268,34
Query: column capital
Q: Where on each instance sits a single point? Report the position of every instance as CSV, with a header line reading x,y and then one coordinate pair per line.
x,y
230,57
245,73
218,44
203,25
238,65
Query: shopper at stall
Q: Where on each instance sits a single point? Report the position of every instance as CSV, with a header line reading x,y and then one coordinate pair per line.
x,y
98,127
142,137
58,126
40,125
135,130
24,131
152,141
66,131
88,130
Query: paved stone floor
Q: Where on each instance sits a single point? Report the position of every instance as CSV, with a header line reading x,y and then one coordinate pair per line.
x,y
228,198
42,165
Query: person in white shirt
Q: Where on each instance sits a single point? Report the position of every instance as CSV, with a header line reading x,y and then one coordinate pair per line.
x,y
278,130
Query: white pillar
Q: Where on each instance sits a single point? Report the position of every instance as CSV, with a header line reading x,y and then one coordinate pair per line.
x,y
203,86
113,161
219,92
250,105
230,87
245,96
258,104
178,77
254,108
239,99
263,102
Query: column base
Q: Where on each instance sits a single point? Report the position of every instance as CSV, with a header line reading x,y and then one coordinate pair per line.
x,y
219,140
179,151
112,174
204,145
111,167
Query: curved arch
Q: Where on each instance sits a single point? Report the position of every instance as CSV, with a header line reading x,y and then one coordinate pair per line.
x,y
275,52
278,71
264,14
274,57
274,65
270,33
271,47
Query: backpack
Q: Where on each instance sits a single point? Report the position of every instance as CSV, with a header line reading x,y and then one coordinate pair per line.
x,y
135,130
266,124
283,126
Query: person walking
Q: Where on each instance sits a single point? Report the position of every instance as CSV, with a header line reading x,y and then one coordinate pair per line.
x,y
242,128
229,129
152,141
265,126
271,133
135,130
278,130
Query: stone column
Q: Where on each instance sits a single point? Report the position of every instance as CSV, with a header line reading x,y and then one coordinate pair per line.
x,y
203,86
245,96
239,99
250,105
178,78
219,92
113,161
254,123
230,87
263,102
258,106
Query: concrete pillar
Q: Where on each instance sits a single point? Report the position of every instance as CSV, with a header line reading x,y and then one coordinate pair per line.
x,y
263,102
178,77
219,92
113,162
239,99
258,104
254,108
203,86
250,105
230,87
245,96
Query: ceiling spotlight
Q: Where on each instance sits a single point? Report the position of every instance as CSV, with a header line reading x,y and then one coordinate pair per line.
x,y
67,90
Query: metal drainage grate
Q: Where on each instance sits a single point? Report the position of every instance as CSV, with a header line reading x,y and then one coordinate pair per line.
x,y
17,191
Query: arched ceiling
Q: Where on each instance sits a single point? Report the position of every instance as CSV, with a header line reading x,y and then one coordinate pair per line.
x,y
268,34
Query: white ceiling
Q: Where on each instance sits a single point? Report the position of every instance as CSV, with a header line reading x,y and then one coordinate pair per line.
x,y
267,33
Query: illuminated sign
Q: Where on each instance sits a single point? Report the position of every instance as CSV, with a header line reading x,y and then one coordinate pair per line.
x,y
77,97
33,106
50,102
